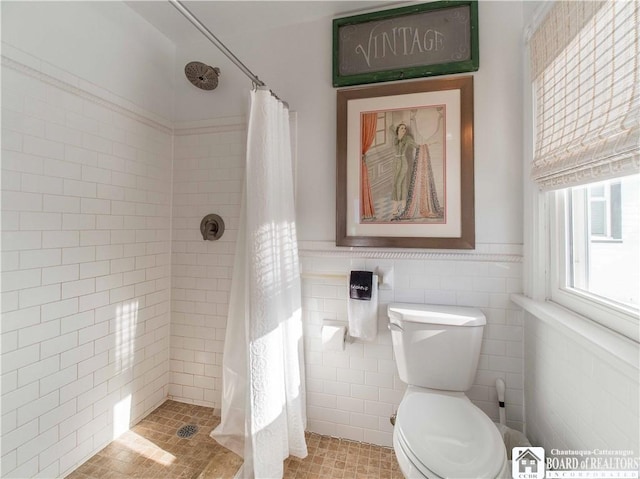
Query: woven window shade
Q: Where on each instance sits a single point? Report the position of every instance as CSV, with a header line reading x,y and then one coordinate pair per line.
x,y
584,63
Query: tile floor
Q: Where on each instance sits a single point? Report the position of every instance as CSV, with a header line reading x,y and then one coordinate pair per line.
x,y
152,449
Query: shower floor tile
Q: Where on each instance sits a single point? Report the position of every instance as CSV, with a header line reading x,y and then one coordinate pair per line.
x,y
152,449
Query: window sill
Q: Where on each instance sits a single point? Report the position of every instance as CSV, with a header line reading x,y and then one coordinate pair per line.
x,y
606,240
586,331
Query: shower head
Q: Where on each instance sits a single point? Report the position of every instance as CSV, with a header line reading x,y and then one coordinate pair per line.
x,y
201,75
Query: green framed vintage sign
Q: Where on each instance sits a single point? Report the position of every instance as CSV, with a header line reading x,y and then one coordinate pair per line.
x,y
428,39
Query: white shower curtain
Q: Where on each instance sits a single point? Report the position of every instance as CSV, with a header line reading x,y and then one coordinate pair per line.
x,y
263,397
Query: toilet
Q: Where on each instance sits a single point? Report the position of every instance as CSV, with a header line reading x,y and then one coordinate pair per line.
x,y
439,432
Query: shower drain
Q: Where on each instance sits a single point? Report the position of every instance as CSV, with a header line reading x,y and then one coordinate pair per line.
x,y
187,430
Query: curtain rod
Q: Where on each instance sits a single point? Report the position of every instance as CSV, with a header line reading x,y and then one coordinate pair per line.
x,y
213,39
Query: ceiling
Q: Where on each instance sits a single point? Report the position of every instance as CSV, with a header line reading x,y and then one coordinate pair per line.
x,y
229,18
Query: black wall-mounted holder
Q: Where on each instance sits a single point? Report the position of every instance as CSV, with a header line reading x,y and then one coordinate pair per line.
x,y
211,227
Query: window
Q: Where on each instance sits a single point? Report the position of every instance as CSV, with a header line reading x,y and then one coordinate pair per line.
x,y
603,240
381,130
595,269
584,69
605,209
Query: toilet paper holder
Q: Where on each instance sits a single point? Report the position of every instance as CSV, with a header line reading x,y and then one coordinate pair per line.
x,y
346,337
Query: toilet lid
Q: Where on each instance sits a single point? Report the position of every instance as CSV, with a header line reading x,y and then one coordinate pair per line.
x,y
448,435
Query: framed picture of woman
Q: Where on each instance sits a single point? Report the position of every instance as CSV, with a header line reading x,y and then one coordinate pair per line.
x,y
405,165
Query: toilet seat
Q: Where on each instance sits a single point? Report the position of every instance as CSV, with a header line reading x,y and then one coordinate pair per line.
x,y
443,434
410,465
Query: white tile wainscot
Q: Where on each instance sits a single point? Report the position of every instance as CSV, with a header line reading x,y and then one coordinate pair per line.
x,y
353,393
582,381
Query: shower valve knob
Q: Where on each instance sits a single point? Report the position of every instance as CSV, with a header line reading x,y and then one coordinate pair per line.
x,y
211,227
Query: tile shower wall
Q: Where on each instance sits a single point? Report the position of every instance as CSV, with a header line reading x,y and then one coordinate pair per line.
x,y
352,394
85,267
208,173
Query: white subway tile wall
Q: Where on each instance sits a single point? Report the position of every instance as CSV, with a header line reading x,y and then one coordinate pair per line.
x,y
86,192
578,396
208,176
353,393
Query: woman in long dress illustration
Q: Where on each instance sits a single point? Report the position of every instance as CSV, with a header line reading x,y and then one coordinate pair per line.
x,y
421,197
403,140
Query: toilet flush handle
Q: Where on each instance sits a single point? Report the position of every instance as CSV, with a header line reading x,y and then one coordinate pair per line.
x,y
394,327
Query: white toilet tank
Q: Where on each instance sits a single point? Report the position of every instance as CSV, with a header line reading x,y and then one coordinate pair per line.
x,y
435,346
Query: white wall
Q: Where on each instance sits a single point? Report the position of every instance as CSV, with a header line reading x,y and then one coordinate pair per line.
x,y
86,182
84,245
101,44
88,88
350,394
299,71
578,396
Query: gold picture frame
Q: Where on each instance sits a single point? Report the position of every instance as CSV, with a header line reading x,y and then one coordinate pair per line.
x,y
405,165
